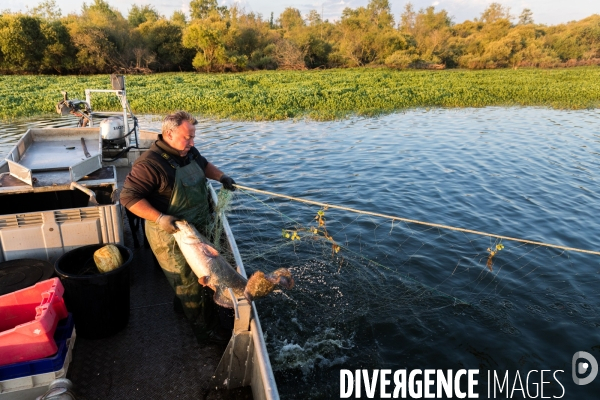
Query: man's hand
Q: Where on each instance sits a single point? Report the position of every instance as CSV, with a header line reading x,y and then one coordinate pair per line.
x,y
167,223
227,183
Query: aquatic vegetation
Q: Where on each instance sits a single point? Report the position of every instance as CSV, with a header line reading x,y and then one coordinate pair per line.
x,y
492,252
320,231
318,95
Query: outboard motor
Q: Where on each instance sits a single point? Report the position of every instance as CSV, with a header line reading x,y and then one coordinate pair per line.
x,y
113,129
118,133
78,108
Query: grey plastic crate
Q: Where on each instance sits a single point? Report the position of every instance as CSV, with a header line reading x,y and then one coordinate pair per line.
x,y
44,222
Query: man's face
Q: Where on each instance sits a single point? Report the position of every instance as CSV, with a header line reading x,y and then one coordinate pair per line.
x,y
182,138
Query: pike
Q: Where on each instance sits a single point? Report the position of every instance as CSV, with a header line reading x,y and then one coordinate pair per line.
x,y
213,271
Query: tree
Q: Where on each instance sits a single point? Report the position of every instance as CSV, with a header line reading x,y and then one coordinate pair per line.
x,y
368,35
251,38
314,18
494,12
161,46
291,19
22,43
205,36
178,18
60,52
526,17
138,15
201,9
576,41
381,13
99,39
102,38
431,32
408,19
288,55
46,10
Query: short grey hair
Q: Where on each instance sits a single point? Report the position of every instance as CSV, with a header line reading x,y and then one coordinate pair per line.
x,y
173,120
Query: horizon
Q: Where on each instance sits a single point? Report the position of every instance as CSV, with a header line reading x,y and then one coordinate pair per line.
x,y
551,12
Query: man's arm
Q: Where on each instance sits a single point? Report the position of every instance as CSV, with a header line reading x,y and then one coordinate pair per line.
x,y
144,209
212,172
141,182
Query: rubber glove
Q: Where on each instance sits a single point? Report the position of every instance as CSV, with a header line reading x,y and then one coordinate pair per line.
x,y
167,223
227,183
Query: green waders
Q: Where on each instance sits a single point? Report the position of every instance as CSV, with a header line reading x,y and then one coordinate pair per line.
x,y
189,201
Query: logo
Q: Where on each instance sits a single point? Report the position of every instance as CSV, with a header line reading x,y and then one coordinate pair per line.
x,y
583,367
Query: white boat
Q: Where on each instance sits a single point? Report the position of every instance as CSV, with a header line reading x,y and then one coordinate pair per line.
x,y
57,193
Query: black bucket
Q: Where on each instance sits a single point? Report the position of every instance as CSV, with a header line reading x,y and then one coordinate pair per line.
x,y
99,301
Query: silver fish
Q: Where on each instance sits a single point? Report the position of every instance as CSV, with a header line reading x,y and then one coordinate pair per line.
x,y
213,271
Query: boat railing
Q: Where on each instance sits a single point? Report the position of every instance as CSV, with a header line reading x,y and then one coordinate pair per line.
x,y
246,360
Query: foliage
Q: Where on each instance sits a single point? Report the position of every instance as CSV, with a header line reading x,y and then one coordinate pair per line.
x,y
367,34
160,46
138,15
22,43
217,38
60,54
320,95
206,37
202,9
47,9
429,34
101,36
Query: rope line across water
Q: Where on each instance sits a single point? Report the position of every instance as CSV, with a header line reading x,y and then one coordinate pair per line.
x,y
394,218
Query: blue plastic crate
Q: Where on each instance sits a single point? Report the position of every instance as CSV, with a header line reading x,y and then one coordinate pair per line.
x,y
53,363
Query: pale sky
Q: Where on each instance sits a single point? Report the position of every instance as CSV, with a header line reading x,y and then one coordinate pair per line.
x,y
550,12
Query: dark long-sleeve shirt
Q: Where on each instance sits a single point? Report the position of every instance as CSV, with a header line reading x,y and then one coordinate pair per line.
x,y
152,177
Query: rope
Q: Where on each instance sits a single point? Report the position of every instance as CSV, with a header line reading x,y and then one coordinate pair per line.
x,y
394,218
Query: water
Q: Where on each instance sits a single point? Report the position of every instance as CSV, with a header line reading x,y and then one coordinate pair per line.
x,y
404,296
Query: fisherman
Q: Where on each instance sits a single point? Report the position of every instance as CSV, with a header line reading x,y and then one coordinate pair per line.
x,y
168,183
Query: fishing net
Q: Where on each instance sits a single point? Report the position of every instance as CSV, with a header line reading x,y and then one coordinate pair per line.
x,y
372,292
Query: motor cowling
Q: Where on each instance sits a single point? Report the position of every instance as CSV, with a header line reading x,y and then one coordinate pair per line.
x,y
112,129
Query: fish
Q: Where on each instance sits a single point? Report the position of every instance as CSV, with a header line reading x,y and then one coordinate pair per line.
x,y
214,271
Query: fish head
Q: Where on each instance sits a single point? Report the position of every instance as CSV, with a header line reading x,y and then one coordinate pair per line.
x,y
200,256
187,233
184,228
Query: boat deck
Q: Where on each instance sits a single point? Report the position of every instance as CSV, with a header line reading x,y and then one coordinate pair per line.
x,y
156,356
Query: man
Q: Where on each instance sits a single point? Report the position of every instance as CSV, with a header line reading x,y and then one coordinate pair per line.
x,y
168,183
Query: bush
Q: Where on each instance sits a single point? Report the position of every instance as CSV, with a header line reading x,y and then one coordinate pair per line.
x,y
401,59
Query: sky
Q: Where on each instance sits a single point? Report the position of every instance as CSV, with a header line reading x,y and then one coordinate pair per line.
x,y
549,12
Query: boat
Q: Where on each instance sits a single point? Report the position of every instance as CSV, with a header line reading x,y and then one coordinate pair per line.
x,y
57,193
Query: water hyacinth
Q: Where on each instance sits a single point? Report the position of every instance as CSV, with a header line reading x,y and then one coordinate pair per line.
x,y
319,95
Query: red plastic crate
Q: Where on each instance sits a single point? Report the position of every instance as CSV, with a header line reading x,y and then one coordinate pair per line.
x,y
28,319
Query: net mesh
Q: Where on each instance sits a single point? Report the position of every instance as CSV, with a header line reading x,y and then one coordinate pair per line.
x,y
364,282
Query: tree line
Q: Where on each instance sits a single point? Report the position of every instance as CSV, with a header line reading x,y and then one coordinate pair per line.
x,y
216,38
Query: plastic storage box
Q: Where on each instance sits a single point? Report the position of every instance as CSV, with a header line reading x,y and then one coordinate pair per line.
x,y
50,217
31,386
62,335
28,320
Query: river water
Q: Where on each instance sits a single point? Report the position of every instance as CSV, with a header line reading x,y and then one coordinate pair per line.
x,y
402,295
